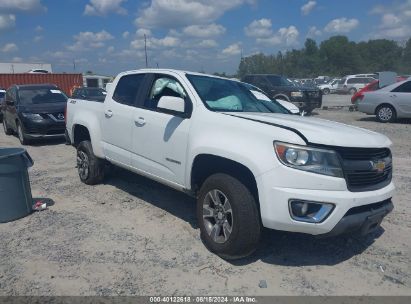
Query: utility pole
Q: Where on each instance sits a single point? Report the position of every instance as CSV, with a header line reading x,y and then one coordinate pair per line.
x,y
74,65
145,49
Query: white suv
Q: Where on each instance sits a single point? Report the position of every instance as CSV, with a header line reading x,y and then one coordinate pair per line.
x,y
351,84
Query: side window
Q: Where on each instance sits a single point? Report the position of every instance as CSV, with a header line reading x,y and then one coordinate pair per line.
x,y
352,80
164,86
404,88
127,89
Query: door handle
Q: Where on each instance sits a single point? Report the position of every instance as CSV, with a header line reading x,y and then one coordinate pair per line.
x,y
393,95
108,113
140,121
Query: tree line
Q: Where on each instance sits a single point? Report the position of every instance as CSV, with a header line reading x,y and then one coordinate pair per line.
x,y
336,56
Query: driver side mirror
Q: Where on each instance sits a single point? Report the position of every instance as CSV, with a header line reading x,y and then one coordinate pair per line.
x,y
172,105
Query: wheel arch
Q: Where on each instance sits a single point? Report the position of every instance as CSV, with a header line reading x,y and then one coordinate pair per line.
x,y
204,165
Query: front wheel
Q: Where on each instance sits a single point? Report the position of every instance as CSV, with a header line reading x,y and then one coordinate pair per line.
x,y
90,168
386,113
21,135
228,217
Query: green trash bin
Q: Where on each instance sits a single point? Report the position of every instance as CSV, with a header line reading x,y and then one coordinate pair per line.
x,y
15,192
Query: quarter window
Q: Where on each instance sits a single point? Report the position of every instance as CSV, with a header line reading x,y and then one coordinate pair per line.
x,y
128,88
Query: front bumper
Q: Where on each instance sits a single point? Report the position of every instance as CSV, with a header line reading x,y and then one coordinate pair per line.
x,y
363,219
274,201
43,128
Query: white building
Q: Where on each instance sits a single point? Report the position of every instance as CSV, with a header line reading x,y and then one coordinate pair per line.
x,y
96,81
19,67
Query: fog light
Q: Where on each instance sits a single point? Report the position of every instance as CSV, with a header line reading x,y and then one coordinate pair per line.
x,y
310,212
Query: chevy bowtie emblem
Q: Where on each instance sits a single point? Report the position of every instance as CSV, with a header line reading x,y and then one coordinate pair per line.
x,y
378,165
60,116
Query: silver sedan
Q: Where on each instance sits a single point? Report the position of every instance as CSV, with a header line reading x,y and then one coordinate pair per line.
x,y
389,103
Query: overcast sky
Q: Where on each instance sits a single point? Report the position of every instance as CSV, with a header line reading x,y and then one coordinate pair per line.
x,y
106,36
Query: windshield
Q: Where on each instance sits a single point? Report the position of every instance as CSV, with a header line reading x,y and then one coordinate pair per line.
x,y
223,95
41,95
276,80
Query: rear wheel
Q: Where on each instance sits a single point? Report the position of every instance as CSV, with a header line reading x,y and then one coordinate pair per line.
x,y
6,128
90,168
228,217
21,135
386,113
326,91
352,91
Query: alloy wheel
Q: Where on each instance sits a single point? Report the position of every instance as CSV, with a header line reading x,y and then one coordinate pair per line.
x,y
217,216
385,114
82,165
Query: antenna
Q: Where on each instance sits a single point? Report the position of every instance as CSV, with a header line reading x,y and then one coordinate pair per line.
x,y
145,49
74,64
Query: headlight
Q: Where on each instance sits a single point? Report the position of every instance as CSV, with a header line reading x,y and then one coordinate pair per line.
x,y
297,94
32,116
309,159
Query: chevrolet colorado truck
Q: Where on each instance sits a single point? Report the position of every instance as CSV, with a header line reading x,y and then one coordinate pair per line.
x,y
248,166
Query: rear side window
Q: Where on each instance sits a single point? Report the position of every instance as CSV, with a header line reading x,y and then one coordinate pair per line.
x,y
127,89
404,88
354,80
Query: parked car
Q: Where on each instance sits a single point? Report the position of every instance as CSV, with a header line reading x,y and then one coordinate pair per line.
x,y
2,95
388,103
279,87
372,86
330,86
260,95
96,94
352,84
247,166
34,111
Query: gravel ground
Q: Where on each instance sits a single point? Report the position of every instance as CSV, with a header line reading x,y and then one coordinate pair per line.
x,y
133,236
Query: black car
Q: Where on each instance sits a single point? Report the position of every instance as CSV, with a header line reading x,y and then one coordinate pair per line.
x,y
279,87
34,111
94,94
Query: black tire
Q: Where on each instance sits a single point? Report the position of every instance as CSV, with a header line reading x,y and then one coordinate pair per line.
x,y
326,91
386,113
90,168
352,91
6,128
22,135
245,219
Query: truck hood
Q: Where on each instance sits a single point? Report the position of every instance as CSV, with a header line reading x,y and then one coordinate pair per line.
x,y
320,131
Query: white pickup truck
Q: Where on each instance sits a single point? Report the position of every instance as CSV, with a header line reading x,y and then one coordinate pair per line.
x,y
248,166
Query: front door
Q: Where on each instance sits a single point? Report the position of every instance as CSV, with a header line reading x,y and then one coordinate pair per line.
x,y
160,139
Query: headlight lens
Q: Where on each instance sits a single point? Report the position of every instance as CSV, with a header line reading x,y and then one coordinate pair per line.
x,y
297,94
32,116
309,159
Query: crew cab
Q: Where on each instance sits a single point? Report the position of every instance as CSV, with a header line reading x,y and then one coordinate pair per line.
x,y
248,166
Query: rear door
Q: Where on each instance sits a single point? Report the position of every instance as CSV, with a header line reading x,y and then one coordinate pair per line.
x,y
401,98
117,122
160,139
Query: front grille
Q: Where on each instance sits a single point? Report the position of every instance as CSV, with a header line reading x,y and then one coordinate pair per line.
x,y
363,168
313,94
